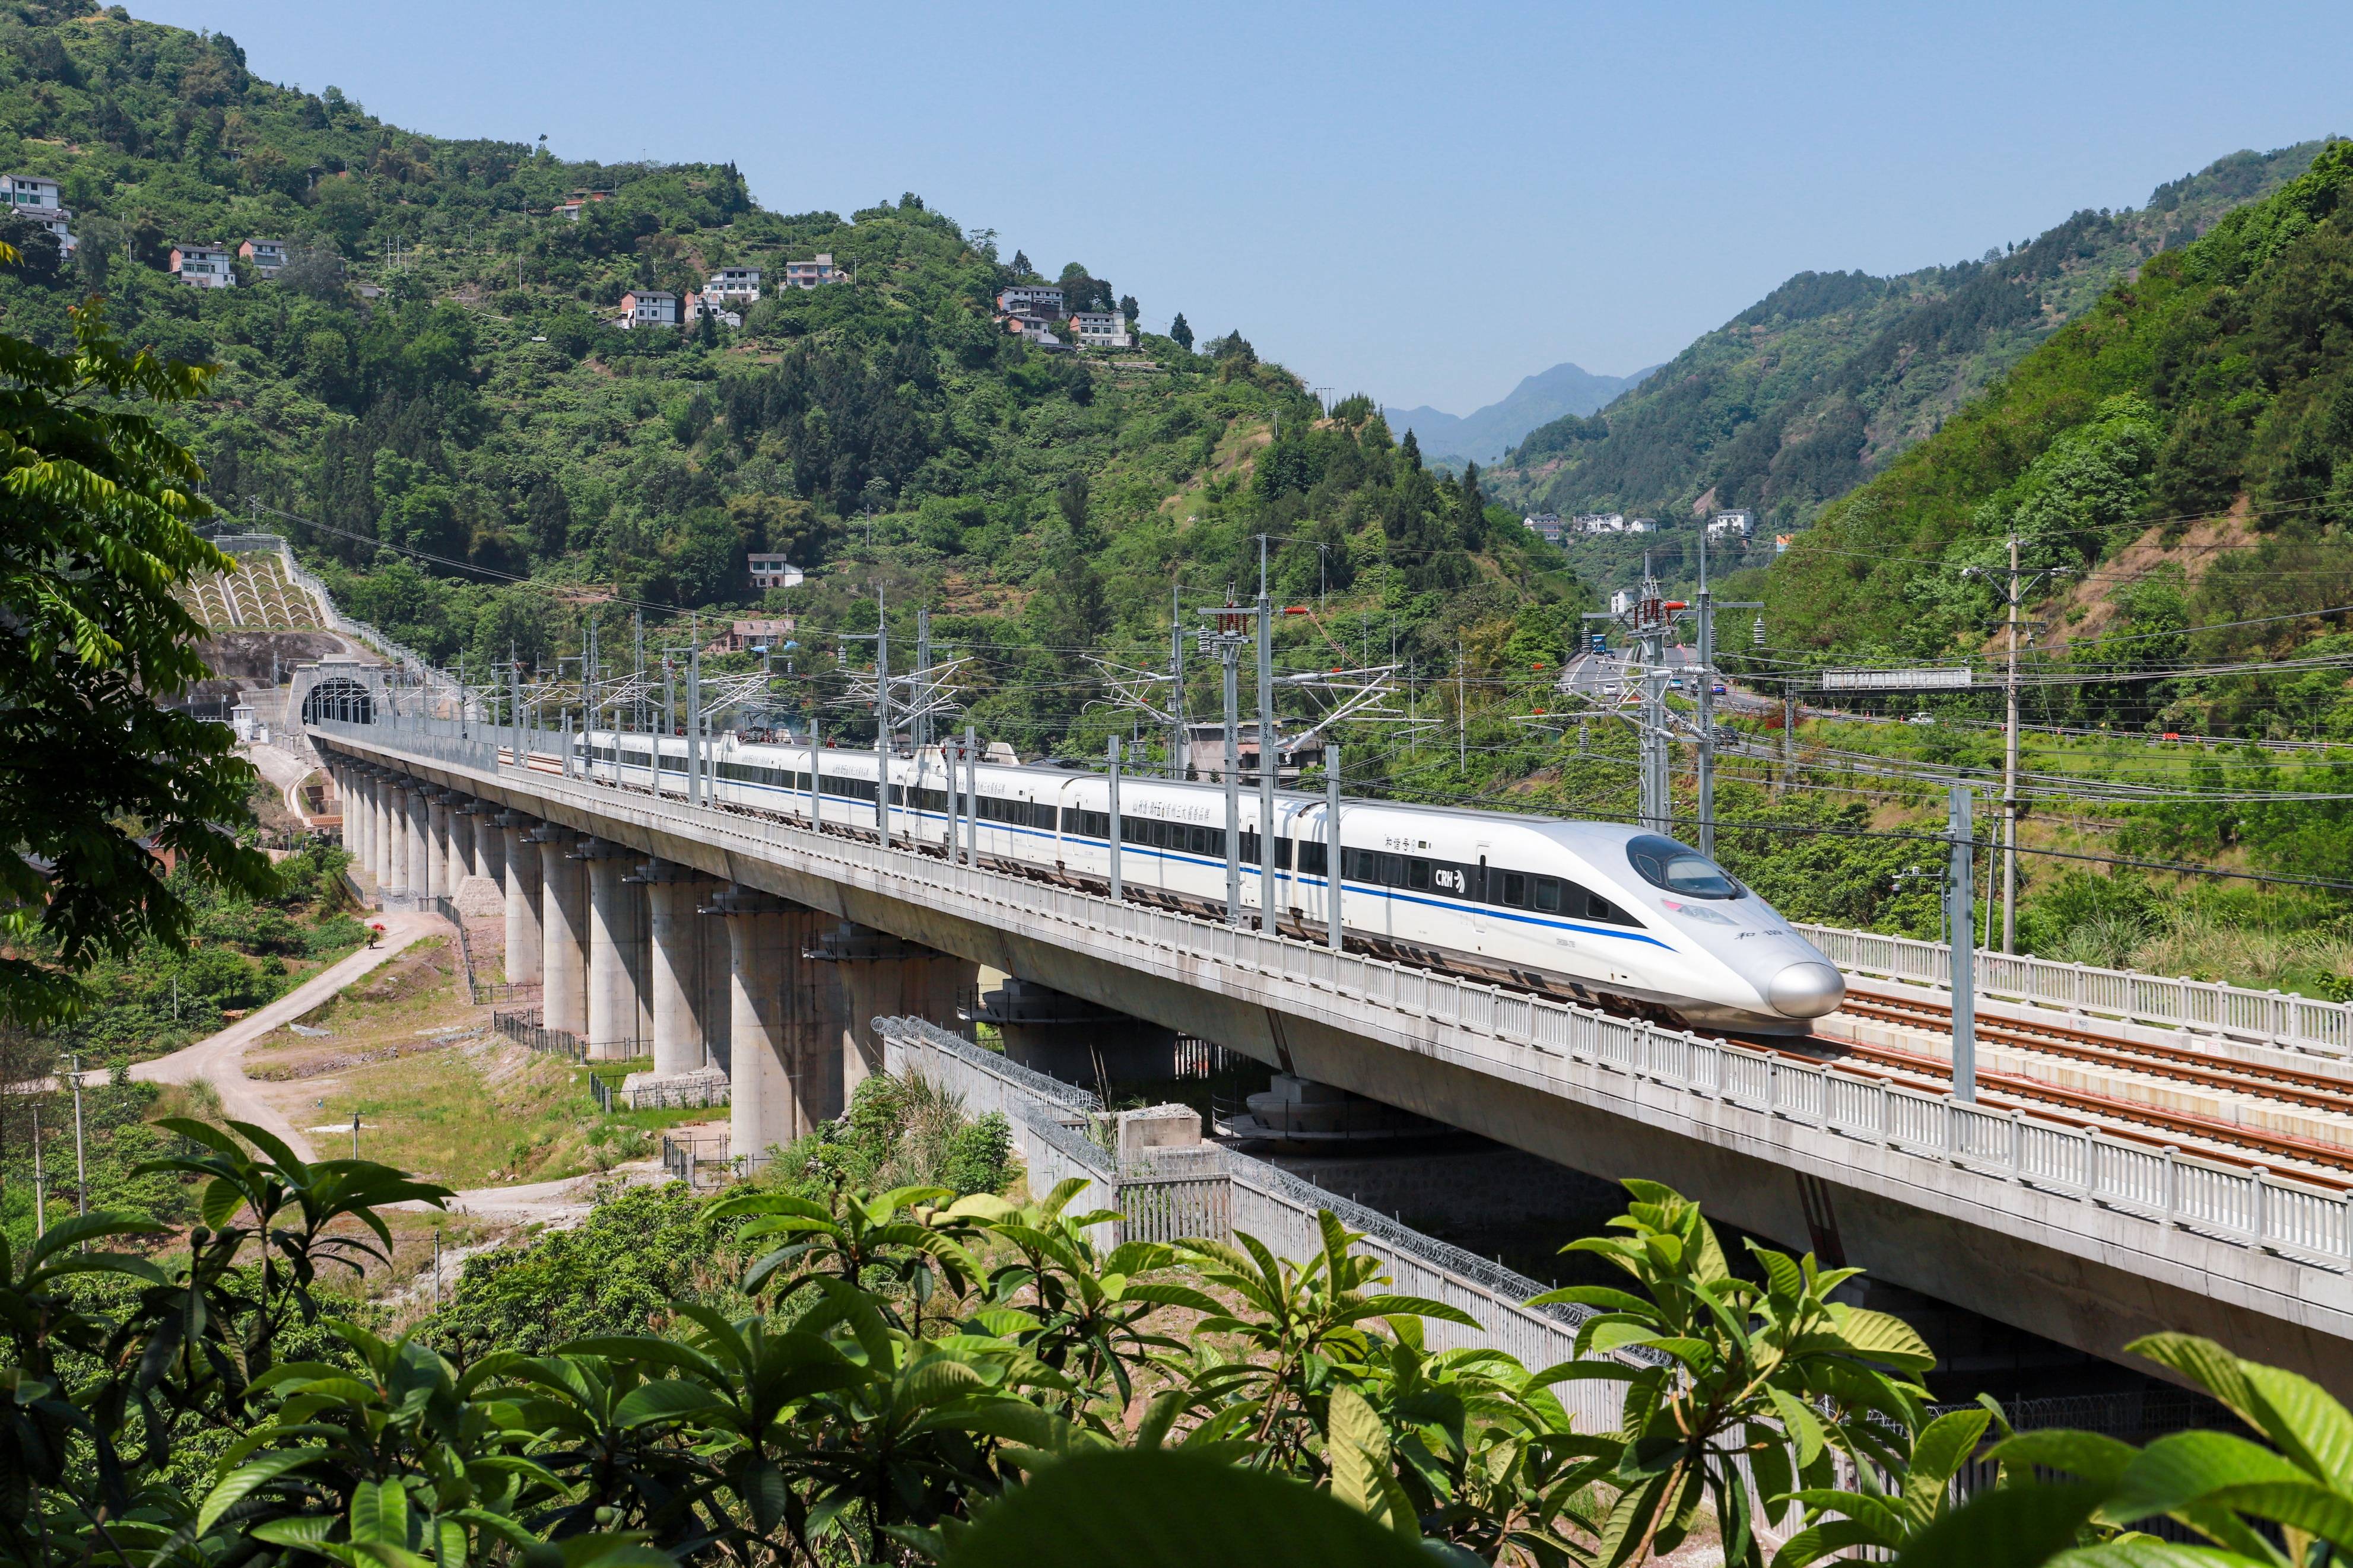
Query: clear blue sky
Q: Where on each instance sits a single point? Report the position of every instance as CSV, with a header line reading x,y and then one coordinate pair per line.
x,y
1425,202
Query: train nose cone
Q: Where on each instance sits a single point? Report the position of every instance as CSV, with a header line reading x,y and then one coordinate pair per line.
x,y
1807,991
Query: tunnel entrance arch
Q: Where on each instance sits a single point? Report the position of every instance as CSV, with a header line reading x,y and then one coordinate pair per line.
x,y
339,699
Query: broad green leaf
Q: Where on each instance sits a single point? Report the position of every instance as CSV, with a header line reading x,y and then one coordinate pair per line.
x,y
1881,1337
2010,1527
380,1514
2308,1425
305,1532
1798,1420
2208,1365
241,1483
2181,1467
1356,1443
670,1399
2090,1455
1940,1450
1173,1509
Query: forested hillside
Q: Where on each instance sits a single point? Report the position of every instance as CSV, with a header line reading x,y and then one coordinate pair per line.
x,y
433,383
2186,451
1798,398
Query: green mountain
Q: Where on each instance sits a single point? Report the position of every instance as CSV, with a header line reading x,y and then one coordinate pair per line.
x,y
1801,396
434,382
2185,450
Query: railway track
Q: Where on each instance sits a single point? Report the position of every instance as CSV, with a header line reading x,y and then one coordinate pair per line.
x,y
2154,1125
2289,1086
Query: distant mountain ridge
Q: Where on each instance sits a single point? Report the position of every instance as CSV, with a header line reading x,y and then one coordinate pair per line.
x,y
1488,434
1810,392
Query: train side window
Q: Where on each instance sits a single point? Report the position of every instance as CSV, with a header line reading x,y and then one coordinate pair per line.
x,y
1310,857
1515,889
1416,873
1549,894
1600,909
1393,870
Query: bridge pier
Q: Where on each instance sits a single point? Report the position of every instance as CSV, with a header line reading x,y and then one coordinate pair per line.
x,y
613,921
677,991
436,844
564,931
885,976
416,837
387,833
489,844
459,843
358,821
525,938
784,1014
1067,1037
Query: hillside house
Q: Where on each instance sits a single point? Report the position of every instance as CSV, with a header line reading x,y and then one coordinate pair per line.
x,y
23,191
267,255
53,221
1736,524
809,274
649,308
697,306
1034,329
1599,522
1031,299
1621,602
203,265
1642,525
570,210
743,636
1102,330
1545,525
740,284
772,572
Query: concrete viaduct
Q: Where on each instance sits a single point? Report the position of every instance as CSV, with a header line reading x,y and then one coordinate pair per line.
x,y
2085,1238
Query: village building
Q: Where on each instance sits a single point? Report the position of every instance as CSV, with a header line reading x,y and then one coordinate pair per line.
x,y
203,265
772,571
744,636
809,274
649,308
740,284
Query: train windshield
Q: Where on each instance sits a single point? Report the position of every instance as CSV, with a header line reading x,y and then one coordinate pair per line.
x,y
1679,869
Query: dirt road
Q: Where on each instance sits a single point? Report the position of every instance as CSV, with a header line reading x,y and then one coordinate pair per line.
x,y
219,1059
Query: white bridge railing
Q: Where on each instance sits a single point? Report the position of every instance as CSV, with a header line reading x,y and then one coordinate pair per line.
x,y
1553,1047
2274,1018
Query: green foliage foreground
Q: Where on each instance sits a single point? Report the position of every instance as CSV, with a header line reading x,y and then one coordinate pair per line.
x,y
918,1377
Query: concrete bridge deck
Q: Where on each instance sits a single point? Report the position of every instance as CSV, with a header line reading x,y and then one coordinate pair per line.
x,y
2077,1231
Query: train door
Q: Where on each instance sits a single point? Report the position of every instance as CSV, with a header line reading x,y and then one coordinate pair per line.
x,y
1477,892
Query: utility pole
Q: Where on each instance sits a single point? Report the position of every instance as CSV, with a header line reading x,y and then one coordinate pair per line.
x,y
1179,756
1961,930
2009,770
1332,927
1117,842
1706,757
882,721
40,1182
637,670
1462,717
1266,749
1224,642
694,721
922,722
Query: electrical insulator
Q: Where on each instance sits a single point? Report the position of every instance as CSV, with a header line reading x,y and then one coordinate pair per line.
x,y
1757,633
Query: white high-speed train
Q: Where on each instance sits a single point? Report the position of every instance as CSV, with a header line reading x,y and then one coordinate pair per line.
x,y
1585,910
